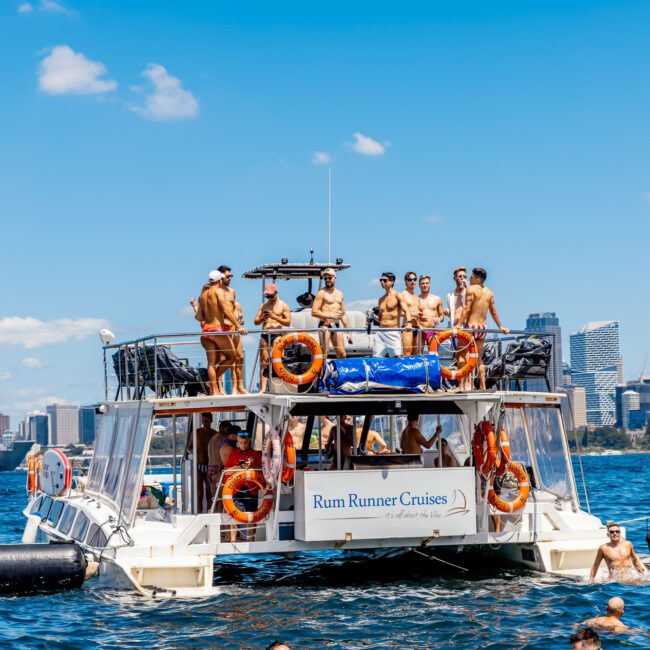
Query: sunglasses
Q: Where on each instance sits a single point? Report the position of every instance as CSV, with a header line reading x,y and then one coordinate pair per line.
x,y
614,532
382,280
411,279
328,277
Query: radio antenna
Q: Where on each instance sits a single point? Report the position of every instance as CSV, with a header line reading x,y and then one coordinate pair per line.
x,y
329,215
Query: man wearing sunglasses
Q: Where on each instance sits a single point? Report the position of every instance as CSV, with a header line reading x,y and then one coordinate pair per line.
x,y
392,306
619,555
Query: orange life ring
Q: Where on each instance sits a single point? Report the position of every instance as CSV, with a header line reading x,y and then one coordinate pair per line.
x,y
289,467
316,352
522,496
472,358
484,434
31,474
234,484
39,464
504,456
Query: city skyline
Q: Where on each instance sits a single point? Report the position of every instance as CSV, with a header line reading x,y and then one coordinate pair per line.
x,y
135,166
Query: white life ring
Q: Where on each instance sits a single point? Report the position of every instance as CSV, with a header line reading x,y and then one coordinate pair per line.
x,y
56,473
271,457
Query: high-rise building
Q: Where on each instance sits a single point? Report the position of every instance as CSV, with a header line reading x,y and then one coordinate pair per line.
x,y
5,423
548,322
37,428
595,366
64,424
87,425
630,403
578,405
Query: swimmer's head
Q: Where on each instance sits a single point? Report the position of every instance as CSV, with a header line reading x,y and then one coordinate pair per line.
x,y
615,607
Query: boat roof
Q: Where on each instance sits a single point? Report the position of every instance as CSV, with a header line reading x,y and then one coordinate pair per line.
x,y
376,404
285,270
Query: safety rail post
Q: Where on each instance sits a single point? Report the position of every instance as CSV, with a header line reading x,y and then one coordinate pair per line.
x,y
155,365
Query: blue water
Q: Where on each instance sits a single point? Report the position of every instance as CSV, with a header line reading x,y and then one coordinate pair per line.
x,y
405,603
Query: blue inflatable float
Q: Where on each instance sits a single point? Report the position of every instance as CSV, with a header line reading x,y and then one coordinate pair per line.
x,y
416,374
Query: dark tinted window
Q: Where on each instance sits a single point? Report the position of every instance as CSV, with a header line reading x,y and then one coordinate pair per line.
x,y
55,513
67,519
96,537
80,527
46,504
36,505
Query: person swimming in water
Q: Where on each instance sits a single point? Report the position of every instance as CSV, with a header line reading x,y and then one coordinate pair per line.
x,y
612,619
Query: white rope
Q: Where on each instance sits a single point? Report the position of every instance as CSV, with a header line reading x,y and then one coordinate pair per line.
x,y
629,521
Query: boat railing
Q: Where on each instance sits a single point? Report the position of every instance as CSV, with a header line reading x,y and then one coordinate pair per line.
x,y
175,364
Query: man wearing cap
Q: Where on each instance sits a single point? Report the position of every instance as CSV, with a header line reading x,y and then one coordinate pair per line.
x,y
215,313
329,308
243,457
273,314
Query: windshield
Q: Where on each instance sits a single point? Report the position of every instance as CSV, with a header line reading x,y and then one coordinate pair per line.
x,y
546,432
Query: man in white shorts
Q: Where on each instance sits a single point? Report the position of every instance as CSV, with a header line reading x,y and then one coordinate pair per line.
x,y
391,307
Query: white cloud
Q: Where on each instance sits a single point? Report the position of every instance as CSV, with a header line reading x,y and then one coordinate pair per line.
x,y
65,71
432,219
32,362
25,8
361,305
321,158
169,100
53,7
366,146
33,333
5,375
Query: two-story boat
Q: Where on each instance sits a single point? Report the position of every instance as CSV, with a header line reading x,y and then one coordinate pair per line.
x,y
466,494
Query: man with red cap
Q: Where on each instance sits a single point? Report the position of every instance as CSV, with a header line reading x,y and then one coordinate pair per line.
x,y
273,314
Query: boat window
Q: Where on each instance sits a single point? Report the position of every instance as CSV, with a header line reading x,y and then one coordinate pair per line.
x,y
36,505
80,526
103,443
66,520
516,430
44,510
55,513
454,431
545,426
135,466
96,537
115,467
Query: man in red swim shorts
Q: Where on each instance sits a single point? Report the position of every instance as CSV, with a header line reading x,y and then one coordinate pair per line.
x,y
478,301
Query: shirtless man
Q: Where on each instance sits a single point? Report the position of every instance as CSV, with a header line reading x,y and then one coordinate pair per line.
x,y
326,425
297,430
612,620
392,306
373,438
411,441
204,435
347,443
329,308
479,300
410,337
619,555
273,314
430,310
236,325
215,314
455,303
215,462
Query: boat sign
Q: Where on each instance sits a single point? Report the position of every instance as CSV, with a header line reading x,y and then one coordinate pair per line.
x,y
376,504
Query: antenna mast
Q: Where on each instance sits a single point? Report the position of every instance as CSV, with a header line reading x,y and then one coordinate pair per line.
x,y
329,215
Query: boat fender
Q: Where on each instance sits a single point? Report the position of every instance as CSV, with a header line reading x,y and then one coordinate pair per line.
x,y
30,568
472,354
271,456
31,528
317,357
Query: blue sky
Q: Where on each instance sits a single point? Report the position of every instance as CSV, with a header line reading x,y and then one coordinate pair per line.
x,y
143,144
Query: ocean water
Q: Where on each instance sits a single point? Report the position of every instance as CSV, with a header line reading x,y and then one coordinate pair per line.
x,y
410,602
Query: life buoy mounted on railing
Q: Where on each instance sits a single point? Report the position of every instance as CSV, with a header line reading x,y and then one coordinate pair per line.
x,y
271,453
484,436
234,484
31,474
519,501
472,355
316,355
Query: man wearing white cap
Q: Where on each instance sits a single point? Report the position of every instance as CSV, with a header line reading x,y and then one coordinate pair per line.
x,y
214,312
329,308
273,314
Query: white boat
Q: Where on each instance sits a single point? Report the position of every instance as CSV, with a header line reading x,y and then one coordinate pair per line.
x,y
384,501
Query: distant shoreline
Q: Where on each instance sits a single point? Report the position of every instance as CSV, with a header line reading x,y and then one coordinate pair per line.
x,y
601,452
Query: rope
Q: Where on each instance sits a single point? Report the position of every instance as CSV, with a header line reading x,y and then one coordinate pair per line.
x,y
433,557
629,521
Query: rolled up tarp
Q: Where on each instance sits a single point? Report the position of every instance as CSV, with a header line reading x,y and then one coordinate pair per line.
x,y
416,374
